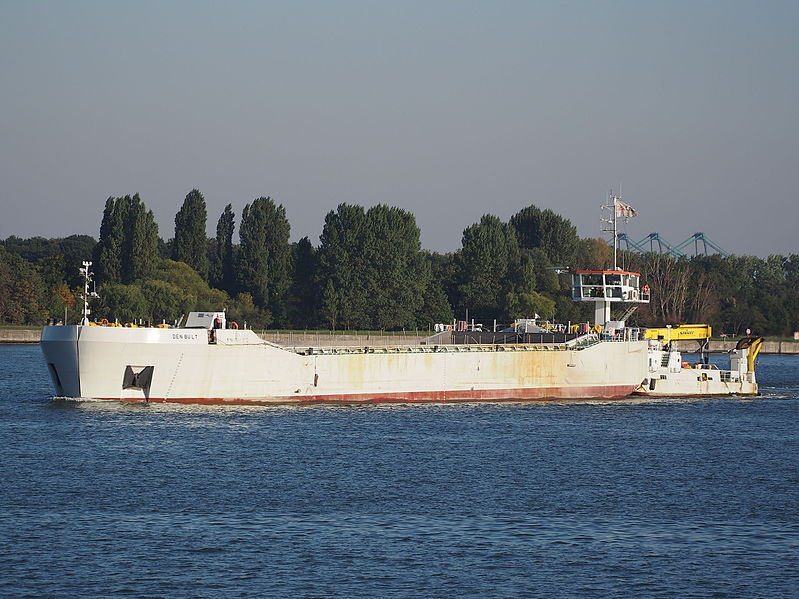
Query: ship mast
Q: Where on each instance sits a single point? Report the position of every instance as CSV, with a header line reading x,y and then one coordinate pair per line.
x,y
604,288
87,276
618,209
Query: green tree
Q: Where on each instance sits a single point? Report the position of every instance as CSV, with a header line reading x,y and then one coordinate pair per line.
x,y
141,242
128,247
488,264
303,295
444,272
122,303
341,254
75,249
191,245
264,256
527,305
371,268
246,314
545,229
197,295
22,293
395,270
108,252
331,305
165,301
59,257
592,254
224,274
435,306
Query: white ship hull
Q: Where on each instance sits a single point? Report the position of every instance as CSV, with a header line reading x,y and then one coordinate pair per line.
x,y
691,383
182,365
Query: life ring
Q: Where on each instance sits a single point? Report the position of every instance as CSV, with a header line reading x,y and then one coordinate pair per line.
x,y
233,324
645,289
104,322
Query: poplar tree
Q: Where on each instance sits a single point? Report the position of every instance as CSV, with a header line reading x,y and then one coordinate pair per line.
x,y
264,258
128,247
303,295
191,245
224,275
108,252
141,241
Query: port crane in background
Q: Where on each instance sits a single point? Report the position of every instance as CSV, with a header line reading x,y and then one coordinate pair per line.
x,y
655,243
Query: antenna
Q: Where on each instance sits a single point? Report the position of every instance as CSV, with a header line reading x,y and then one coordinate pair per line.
x,y
87,277
617,209
611,222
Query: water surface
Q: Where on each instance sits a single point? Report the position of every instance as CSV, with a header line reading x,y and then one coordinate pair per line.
x,y
644,498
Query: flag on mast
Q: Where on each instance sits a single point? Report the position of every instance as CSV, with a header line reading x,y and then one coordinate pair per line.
x,y
623,210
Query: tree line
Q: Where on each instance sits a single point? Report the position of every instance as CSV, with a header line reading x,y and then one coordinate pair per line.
x,y
369,272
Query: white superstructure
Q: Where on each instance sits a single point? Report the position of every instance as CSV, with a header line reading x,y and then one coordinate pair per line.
x,y
669,376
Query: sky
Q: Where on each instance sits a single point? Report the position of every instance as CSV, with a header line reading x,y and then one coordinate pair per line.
x,y
447,109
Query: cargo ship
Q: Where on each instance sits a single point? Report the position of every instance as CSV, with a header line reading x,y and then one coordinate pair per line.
x,y
206,361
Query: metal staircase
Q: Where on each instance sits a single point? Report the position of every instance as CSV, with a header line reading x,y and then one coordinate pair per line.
x,y
628,313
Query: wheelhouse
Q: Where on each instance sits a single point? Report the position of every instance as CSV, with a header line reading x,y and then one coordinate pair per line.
x,y
608,286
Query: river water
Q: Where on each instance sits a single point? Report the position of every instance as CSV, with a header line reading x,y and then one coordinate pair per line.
x,y
653,498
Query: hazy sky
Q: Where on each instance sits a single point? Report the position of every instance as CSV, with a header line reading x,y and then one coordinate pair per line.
x,y
448,109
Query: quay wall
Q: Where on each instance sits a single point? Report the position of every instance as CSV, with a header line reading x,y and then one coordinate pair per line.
x,y
769,347
20,335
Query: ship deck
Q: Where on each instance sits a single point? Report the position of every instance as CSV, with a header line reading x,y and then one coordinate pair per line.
x,y
575,344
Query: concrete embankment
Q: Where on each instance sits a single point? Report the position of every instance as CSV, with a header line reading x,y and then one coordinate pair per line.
x,y
769,347
20,335
336,340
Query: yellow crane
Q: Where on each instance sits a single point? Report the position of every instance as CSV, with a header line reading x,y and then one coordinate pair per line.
x,y
679,332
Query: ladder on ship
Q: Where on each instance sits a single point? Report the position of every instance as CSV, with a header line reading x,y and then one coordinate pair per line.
x,y
628,313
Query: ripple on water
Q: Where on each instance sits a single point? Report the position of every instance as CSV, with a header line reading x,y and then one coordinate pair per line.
x,y
664,498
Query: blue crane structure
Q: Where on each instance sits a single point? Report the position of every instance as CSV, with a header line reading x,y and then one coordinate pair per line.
x,y
655,243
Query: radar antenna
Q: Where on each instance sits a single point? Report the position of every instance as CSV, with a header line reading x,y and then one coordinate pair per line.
x,y
618,209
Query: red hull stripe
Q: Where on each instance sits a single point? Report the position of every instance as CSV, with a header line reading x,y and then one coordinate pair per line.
x,y
492,395
725,394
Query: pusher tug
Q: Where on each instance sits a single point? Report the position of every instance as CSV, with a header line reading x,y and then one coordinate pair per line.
x,y
670,376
